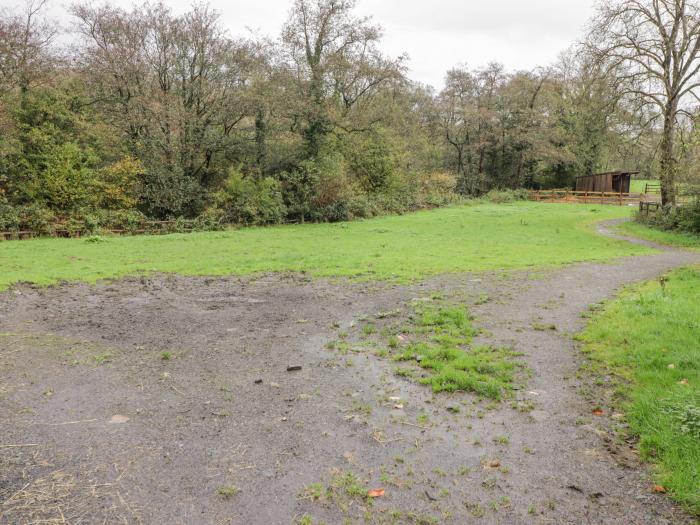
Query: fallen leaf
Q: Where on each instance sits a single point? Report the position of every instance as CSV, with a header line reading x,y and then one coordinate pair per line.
x,y
376,493
398,407
118,419
598,412
659,489
671,366
683,381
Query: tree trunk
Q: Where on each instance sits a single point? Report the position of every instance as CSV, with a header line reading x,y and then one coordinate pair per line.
x,y
668,159
462,183
260,142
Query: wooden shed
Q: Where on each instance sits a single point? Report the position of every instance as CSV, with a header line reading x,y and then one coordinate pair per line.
x,y
612,182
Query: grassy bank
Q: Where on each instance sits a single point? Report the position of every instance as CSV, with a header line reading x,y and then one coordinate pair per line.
x,y
649,339
466,238
683,240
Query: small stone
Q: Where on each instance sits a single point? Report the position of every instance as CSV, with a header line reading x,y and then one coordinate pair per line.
x,y
118,419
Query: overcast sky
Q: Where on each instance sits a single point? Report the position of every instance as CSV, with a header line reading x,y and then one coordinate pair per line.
x,y
436,34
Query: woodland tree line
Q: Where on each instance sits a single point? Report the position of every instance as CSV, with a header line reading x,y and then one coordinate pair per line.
x,y
141,113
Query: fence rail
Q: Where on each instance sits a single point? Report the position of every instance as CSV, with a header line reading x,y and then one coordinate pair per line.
x,y
649,207
61,229
587,197
652,189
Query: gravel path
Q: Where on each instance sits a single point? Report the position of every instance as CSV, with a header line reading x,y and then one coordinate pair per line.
x,y
168,400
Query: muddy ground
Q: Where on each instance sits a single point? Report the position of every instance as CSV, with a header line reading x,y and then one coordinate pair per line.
x,y
168,400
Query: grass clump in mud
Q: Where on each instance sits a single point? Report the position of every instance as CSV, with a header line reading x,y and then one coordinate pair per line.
x,y
228,491
646,342
344,489
442,346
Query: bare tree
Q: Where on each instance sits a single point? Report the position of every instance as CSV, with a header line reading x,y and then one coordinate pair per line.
x,y
467,116
336,65
25,46
176,87
654,46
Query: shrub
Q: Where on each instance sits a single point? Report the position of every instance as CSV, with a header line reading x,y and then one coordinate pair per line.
x,y
210,220
68,182
504,196
371,159
249,200
438,182
689,217
32,217
117,184
313,186
684,218
165,193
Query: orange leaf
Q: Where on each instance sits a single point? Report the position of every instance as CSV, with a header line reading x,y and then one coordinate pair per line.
x,y
659,489
376,493
598,412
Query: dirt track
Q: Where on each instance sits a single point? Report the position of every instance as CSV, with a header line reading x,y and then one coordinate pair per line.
x,y
74,357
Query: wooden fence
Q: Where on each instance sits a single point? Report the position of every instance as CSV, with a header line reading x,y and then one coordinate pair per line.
x,y
645,208
587,197
61,229
652,189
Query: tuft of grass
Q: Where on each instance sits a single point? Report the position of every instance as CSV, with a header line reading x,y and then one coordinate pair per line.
x,y
544,327
228,491
166,356
368,329
467,238
101,359
501,440
315,492
647,340
455,364
350,485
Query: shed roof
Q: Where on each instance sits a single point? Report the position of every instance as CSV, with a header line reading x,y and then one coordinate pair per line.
x,y
609,173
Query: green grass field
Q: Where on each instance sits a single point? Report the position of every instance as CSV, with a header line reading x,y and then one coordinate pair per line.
x,y
649,338
467,238
638,186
